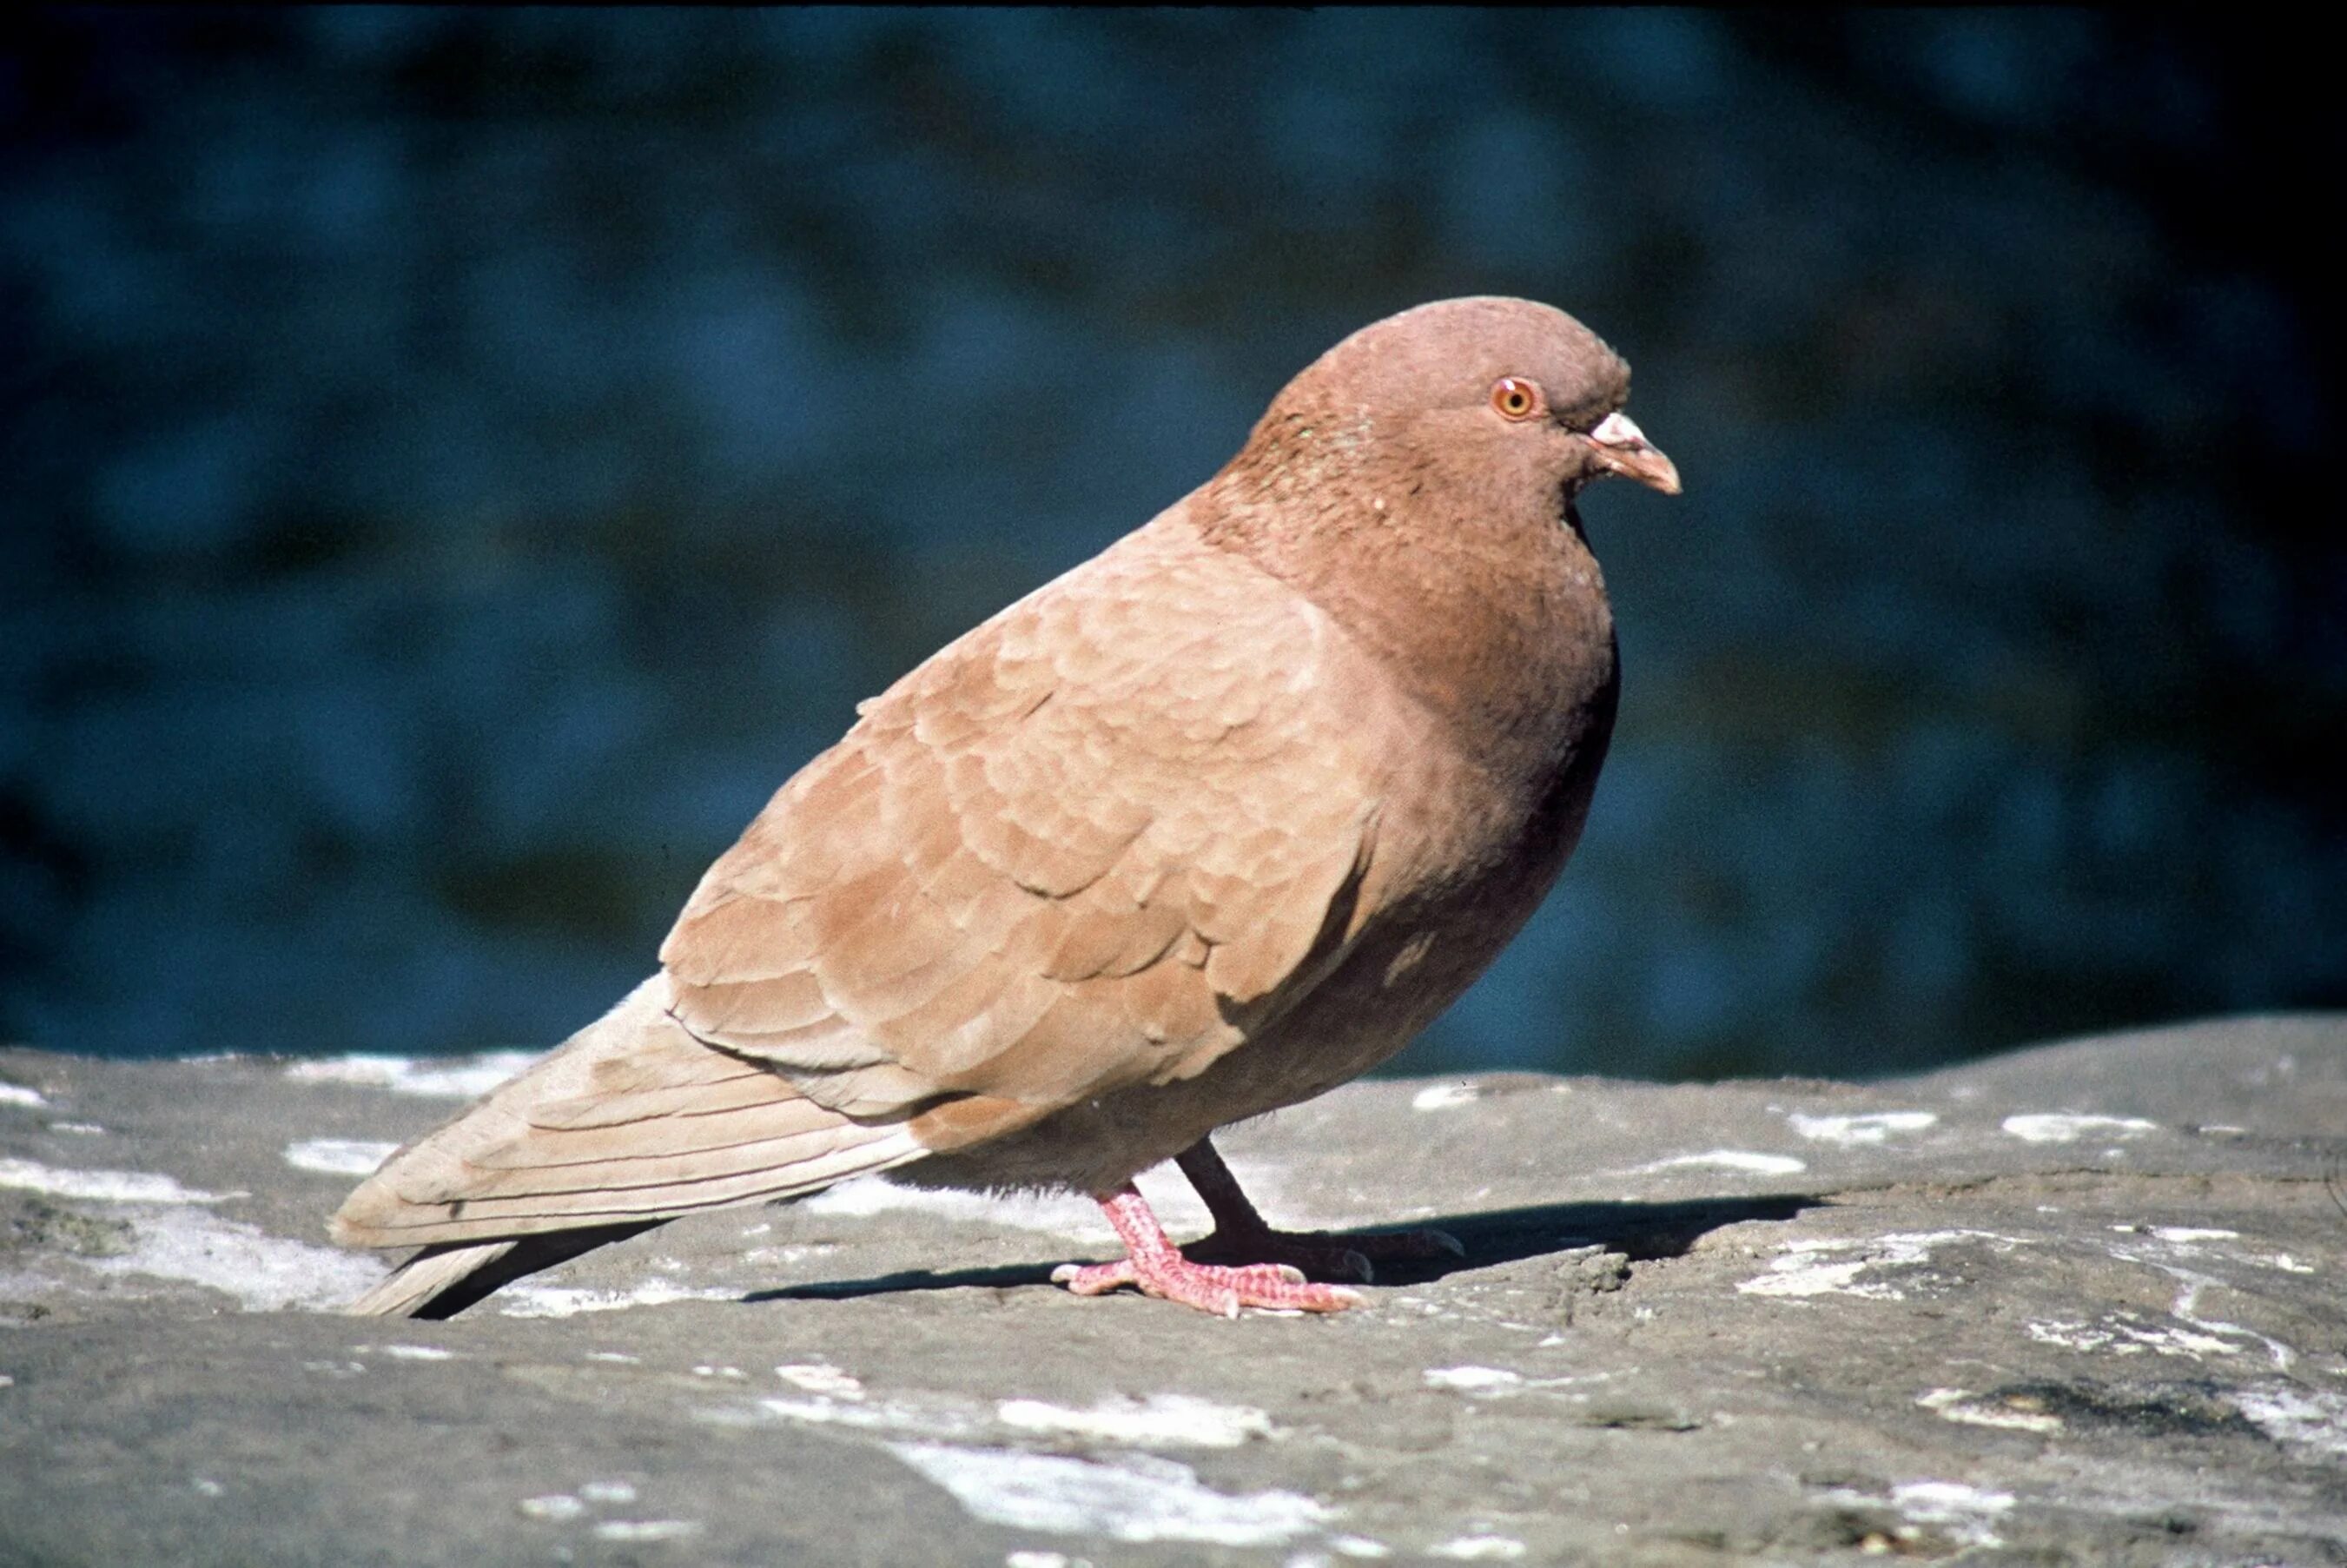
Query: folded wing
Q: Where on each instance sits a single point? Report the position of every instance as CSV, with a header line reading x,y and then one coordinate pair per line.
x,y
631,1120
1093,842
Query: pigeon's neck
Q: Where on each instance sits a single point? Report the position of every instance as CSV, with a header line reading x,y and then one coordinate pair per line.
x,y
1498,625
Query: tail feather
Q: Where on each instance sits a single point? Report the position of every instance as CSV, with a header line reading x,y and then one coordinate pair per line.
x,y
442,1281
630,1123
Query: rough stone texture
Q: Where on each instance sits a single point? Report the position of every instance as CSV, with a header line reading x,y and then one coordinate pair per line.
x,y
2078,1304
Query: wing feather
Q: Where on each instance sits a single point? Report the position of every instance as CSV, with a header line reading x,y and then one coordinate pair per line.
x,y
630,1118
1093,842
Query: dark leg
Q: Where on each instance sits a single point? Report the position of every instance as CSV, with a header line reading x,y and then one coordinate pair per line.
x,y
1241,1232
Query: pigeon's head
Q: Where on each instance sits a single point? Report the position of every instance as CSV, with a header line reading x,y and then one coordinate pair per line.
x,y
1500,394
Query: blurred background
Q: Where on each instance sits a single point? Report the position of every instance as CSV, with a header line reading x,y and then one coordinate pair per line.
x,y
457,464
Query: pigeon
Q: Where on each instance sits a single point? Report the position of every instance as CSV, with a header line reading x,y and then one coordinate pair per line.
x,y
1211,824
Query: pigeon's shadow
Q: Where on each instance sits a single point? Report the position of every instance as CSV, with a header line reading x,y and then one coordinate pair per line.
x,y
1641,1232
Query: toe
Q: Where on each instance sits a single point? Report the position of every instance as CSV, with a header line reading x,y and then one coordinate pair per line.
x,y
1094,1278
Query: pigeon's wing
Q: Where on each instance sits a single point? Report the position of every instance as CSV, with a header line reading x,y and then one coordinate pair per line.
x,y
632,1120
1094,842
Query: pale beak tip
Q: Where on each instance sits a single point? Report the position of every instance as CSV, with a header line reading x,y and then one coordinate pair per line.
x,y
1623,448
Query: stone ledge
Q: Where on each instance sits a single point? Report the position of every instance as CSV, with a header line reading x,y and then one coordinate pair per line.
x,y
2074,1304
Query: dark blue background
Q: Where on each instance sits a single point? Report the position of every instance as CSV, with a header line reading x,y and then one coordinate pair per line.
x,y
457,465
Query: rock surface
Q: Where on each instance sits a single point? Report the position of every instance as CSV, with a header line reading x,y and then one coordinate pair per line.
x,y
2077,1304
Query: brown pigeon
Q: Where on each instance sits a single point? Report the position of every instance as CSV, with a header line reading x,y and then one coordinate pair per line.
x,y
1211,824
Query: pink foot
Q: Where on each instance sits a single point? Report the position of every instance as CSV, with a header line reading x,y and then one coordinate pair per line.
x,y
1156,1267
1210,1287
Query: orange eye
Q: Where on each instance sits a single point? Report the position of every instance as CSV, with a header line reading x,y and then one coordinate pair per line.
x,y
1515,397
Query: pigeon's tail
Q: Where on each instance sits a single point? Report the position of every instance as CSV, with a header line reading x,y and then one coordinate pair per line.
x,y
630,1123
442,1281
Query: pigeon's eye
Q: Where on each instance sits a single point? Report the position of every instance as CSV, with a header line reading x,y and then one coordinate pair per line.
x,y
1515,397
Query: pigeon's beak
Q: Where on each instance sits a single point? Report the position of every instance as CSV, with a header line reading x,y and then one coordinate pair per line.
x,y
1623,449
